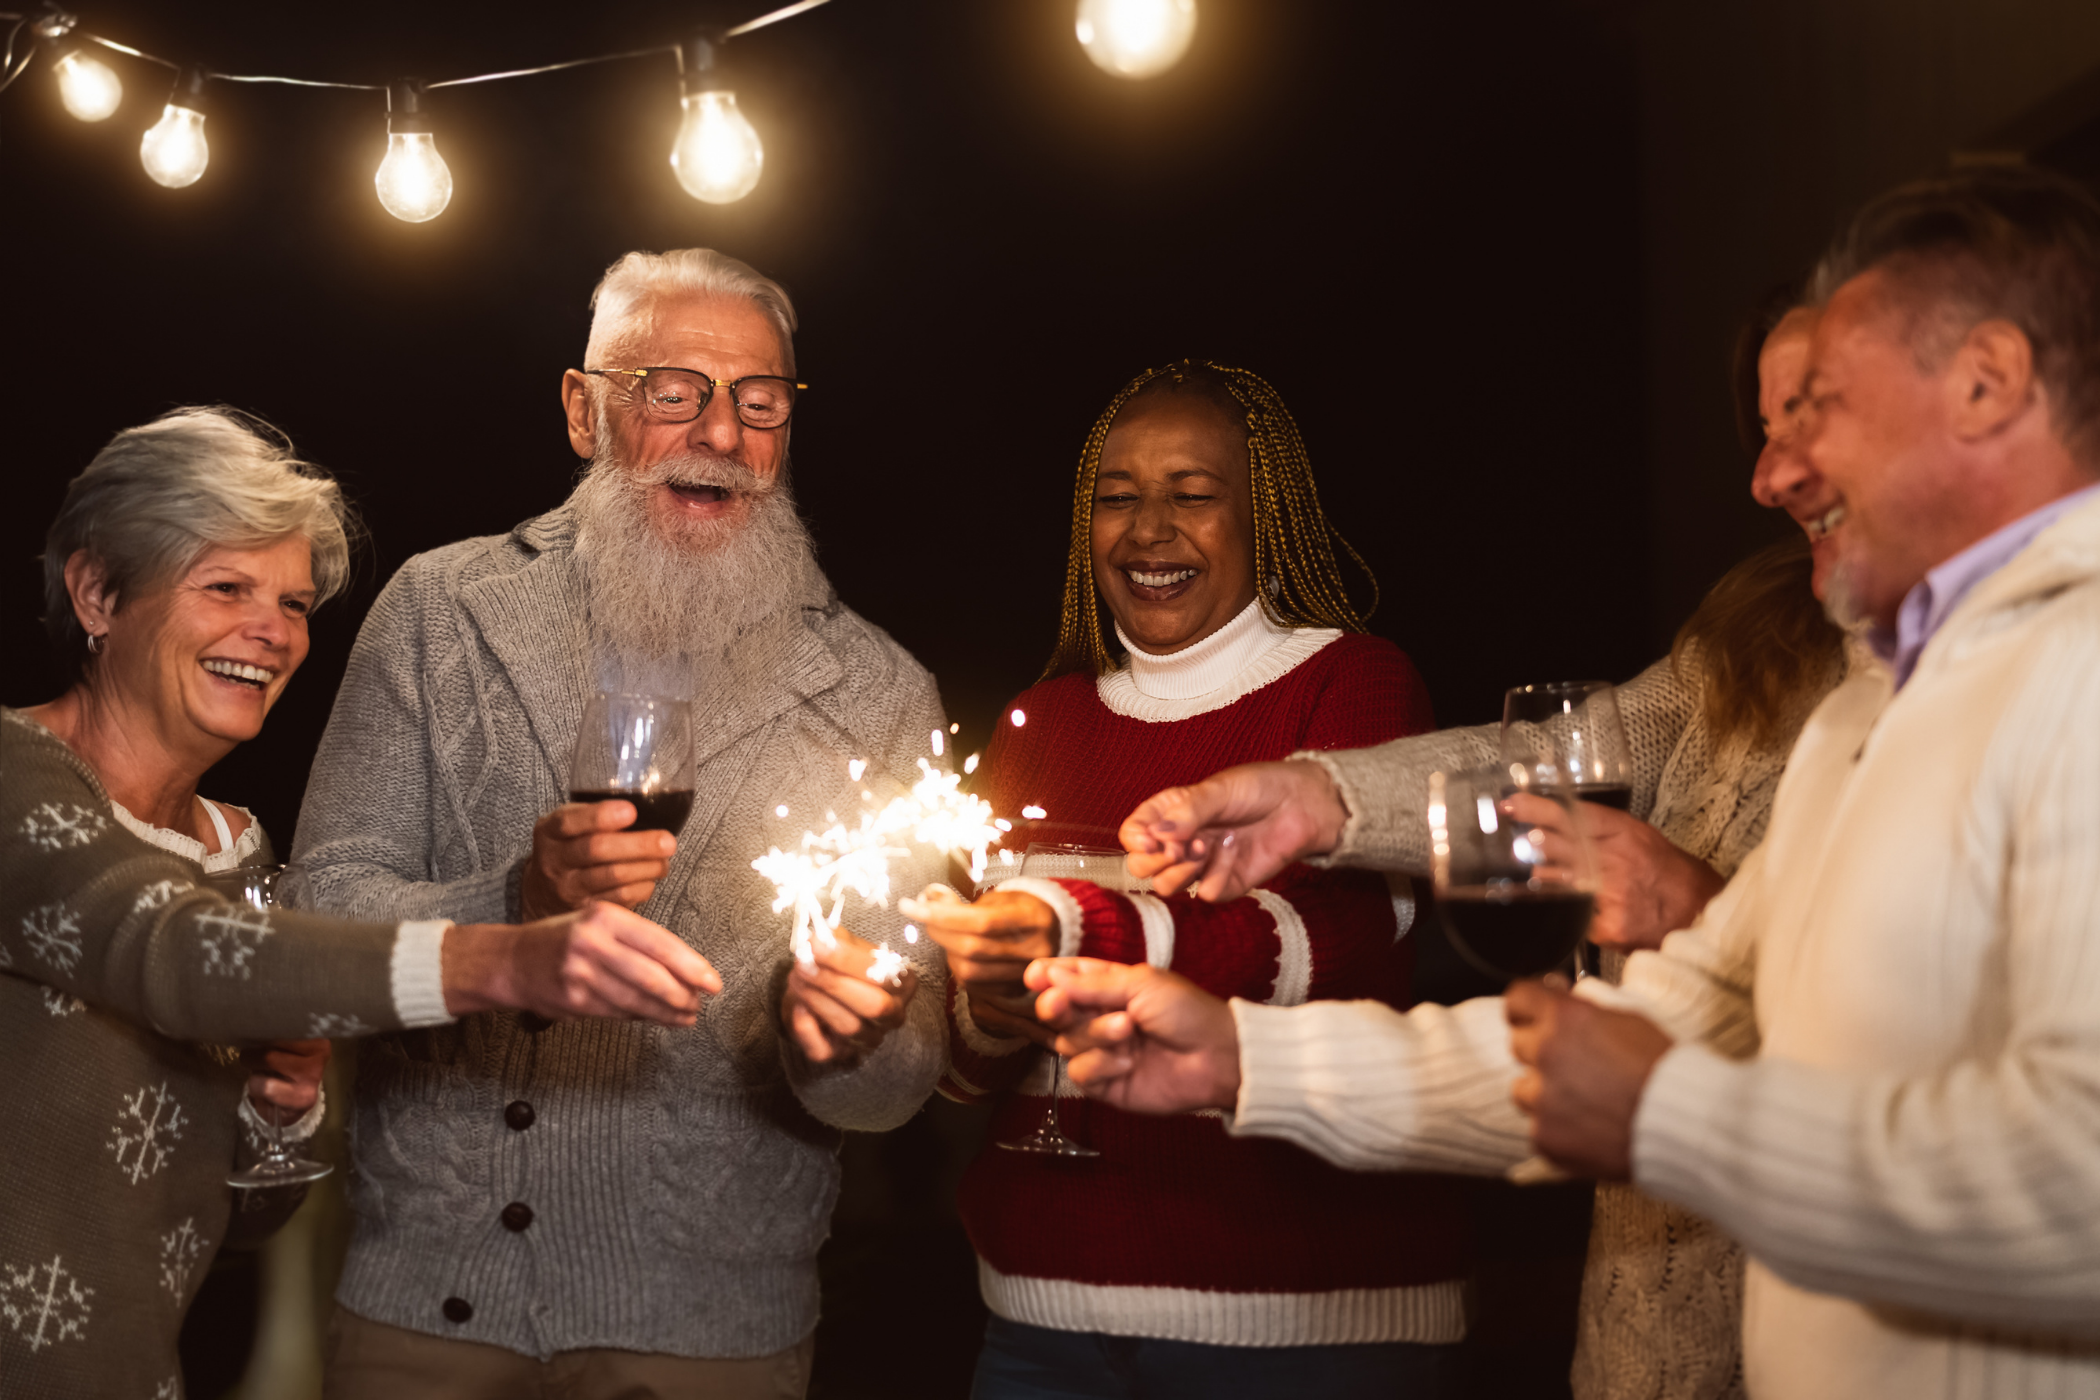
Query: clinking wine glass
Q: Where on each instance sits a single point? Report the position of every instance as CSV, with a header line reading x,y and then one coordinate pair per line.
x,y
1515,897
638,749
256,887
1104,866
1571,732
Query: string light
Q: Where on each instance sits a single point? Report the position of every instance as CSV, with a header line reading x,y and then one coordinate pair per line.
x,y
174,151
414,182
90,89
718,156
1136,38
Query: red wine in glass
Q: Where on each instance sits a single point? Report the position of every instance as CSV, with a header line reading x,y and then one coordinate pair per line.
x,y
653,811
638,749
1514,897
1515,932
1616,795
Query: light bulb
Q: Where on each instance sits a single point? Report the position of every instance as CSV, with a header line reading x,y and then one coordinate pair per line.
x,y
1136,38
414,182
718,156
87,86
174,152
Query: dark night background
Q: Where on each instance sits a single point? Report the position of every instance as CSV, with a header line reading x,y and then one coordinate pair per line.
x,y
1491,256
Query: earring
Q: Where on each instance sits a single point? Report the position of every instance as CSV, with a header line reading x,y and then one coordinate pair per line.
x,y
94,644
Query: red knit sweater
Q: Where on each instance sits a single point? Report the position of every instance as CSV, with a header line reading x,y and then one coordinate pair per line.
x,y
1178,1229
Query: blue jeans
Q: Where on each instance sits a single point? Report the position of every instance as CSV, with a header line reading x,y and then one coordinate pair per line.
x,y
1020,1362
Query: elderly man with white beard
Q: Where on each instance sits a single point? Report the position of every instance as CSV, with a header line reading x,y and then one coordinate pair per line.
x,y
606,1210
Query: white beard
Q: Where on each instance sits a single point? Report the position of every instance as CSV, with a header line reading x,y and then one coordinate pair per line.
x,y
663,607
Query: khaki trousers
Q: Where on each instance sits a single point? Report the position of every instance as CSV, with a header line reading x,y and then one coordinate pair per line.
x,y
371,1361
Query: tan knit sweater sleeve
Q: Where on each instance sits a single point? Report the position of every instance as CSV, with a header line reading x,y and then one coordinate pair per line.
x,y
1386,788
89,909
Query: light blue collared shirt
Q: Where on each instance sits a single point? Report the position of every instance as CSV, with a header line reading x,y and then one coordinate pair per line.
x,y
1927,605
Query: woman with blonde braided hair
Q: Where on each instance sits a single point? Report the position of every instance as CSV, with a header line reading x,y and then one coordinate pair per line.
x,y
1184,1261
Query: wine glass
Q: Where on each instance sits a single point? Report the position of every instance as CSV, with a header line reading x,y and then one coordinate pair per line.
x,y
1571,732
638,749
256,887
1515,897
1104,866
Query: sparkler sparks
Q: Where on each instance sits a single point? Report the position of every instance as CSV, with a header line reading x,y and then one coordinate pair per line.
x,y
813,880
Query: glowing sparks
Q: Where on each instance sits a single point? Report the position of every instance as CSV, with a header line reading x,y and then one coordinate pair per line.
x,y
887,967
1034,814
970,764
955,728
911,933
781,810
1018,718
813,880
857,767
940,743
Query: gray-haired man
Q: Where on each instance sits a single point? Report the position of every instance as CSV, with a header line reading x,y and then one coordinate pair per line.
x,y
599,1208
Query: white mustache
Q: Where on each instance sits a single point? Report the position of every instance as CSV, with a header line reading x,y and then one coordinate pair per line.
x,y
694,470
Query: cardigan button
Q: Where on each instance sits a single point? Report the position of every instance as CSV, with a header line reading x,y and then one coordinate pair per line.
x,y
457,1310
532,1023
516,1216
519,1115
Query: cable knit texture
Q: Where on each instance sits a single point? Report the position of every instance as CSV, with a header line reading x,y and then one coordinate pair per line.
x,y
1661,1308
679,1181
1177,1230
119,971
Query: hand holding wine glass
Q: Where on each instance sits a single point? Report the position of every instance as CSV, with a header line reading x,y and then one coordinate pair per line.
x,y
630,789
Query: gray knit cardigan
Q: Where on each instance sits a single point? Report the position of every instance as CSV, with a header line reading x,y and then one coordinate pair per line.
x,y
601,1184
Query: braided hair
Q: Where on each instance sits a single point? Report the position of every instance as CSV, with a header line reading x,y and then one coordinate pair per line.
x,y
1299,582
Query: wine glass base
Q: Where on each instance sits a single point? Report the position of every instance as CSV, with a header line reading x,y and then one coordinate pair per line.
x,y
287,1173
1049,1144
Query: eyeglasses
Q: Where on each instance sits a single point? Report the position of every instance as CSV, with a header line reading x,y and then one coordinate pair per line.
x,y
670,395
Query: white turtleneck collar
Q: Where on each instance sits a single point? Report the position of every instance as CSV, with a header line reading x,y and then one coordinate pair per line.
x,y
1242,656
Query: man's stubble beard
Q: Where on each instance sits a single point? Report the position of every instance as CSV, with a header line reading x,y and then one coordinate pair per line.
x,y
663,603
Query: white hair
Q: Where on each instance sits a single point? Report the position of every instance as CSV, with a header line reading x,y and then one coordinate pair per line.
x,y
158,496
630,284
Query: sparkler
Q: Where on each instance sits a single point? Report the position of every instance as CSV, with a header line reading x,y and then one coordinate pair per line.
x,y
814,879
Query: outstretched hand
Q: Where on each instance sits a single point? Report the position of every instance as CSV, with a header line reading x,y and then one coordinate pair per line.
x,y
1234,830
601,960
1144,1040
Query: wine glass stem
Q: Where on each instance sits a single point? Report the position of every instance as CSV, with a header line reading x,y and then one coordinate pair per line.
x,y
1053,1119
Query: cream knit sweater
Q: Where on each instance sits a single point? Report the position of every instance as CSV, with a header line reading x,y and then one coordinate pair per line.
x,y
1887,1082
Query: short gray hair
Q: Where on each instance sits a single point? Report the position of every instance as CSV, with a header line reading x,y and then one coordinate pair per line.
x,y
683,272
160,495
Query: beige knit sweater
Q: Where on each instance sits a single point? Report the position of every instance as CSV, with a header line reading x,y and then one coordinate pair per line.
x,y
1887,1082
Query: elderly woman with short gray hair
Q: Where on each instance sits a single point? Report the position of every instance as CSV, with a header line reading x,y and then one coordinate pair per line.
x,y
179,577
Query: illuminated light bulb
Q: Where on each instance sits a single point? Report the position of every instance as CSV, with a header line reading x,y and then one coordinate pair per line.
x,y
1136,38
174,151
718,156
88,86
414,182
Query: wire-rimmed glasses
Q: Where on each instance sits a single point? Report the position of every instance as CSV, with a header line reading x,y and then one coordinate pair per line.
x,y
256,887
668,394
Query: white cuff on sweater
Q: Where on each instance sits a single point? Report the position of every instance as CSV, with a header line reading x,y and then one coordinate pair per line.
x,y
1692,1103
1071,923
298,1130
419,973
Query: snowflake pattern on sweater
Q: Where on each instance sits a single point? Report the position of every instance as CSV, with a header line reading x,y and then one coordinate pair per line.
x,y
45,1304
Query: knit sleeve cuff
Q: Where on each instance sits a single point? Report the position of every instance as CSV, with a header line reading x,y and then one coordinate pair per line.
x,y
977,1038
418,973
1376,834
298,1130
1071,921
